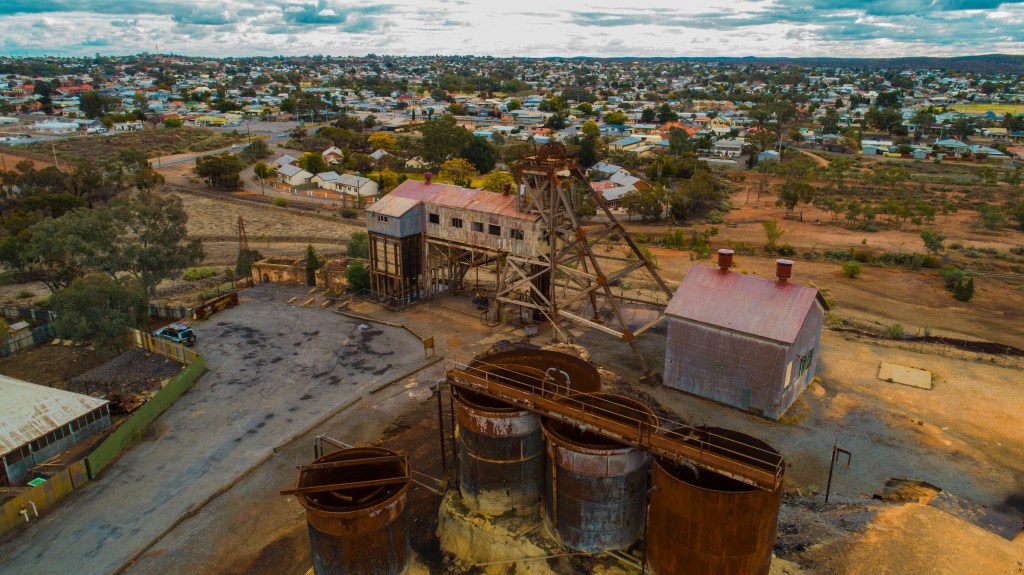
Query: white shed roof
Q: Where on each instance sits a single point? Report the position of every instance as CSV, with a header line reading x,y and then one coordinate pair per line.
x,y
28,411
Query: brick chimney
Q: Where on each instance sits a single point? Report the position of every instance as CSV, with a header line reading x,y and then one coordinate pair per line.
x,y
783,271
724,260
427,177
505,188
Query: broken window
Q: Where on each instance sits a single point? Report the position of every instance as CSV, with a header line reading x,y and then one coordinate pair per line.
x,y
494,230
515,234
456,222
434,218
476,226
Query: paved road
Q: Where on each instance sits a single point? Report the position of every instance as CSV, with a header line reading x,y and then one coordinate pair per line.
x,y
274,370
161,162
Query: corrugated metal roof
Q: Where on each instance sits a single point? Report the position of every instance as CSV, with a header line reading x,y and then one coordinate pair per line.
x,y
392,205
757,306
461,198
28,411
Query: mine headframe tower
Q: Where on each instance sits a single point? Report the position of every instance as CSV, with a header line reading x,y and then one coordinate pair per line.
x,y
578,273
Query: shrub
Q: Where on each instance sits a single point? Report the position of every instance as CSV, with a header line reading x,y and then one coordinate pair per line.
x,y
1017,250
641,238
964,290
861,256
349,213
952,274
715,217
955,246
851,269
895,331
280,202
25,293
358,277
358,246
787,250
196,274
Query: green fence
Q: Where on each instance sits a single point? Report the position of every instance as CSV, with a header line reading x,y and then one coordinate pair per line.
x,y
140,420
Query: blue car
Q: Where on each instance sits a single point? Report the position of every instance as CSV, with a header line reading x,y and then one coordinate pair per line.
x,y
178,333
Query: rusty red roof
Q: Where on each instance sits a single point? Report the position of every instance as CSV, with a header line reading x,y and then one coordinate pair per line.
x,y
461,198
757,306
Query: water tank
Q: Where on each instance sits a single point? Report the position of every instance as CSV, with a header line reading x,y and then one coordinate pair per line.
x,y
355,501
704,522
595,489
500,448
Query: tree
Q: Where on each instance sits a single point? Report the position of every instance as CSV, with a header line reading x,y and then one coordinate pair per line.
x,y
358,245
220,171
244,261
1016,213
697,196
667,114
481,154
646,203
358,277
298,133
90,104
147,179
100,309
155,245
495,181
933,241
457,171
886,119
383,141
313,163
921,120
556,121
513,105
991,216
172,123
830,122
616,117
264,171
772,232
648,115
793,193
963,127
443,139
851,269
837,170
312,264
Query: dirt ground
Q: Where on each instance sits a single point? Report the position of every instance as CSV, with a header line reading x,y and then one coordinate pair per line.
x,y
51,365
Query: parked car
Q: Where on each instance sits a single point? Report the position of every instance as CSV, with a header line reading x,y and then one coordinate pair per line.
x,y
178,333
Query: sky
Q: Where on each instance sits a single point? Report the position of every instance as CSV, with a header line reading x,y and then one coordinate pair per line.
x,y
531,28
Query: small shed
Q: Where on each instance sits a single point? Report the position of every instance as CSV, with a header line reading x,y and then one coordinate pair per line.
x,y
745,341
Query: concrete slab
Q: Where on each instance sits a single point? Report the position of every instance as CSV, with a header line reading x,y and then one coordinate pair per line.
x,y
895,373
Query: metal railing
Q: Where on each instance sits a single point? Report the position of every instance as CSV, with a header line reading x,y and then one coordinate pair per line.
x,y
751,464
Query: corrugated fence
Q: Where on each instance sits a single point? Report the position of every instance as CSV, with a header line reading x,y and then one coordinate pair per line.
x,y
35,336
163,347
81,472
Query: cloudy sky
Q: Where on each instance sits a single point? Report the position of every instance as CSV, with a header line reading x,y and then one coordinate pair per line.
x,y
860,28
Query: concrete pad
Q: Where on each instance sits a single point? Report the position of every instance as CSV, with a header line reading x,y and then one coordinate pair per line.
x,y
895,373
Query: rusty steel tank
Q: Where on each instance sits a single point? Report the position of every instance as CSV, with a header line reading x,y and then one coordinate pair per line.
x,y
595,488
704,522
501,447
355,501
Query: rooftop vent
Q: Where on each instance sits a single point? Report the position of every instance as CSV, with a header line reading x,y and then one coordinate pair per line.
x,y
783,270
725,259
426,178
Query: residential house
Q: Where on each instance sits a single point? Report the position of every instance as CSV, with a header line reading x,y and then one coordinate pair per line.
x,y
293,175
332,156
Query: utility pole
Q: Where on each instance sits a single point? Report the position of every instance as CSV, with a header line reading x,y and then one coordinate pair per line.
x,y
54,150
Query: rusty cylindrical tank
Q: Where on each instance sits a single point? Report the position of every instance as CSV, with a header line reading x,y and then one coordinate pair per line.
x,y
500,447
595,488
704,522
360,530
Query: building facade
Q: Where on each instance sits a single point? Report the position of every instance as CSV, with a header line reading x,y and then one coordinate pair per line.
x,y
749,342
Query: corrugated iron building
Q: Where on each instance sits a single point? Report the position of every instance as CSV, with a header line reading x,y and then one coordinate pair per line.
x,y
748,342
424,236
38,422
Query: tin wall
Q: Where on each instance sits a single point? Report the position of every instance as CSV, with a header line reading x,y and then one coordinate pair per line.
x,y
702,522
724,366
594,488
362,531
501,448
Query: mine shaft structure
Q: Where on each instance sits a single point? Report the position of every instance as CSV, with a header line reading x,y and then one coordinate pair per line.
x,y
569,276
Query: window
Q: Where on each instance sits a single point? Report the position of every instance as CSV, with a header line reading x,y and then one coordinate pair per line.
x,y
476,226
456,222
515,234
805,362
382,219
494,230
434,218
